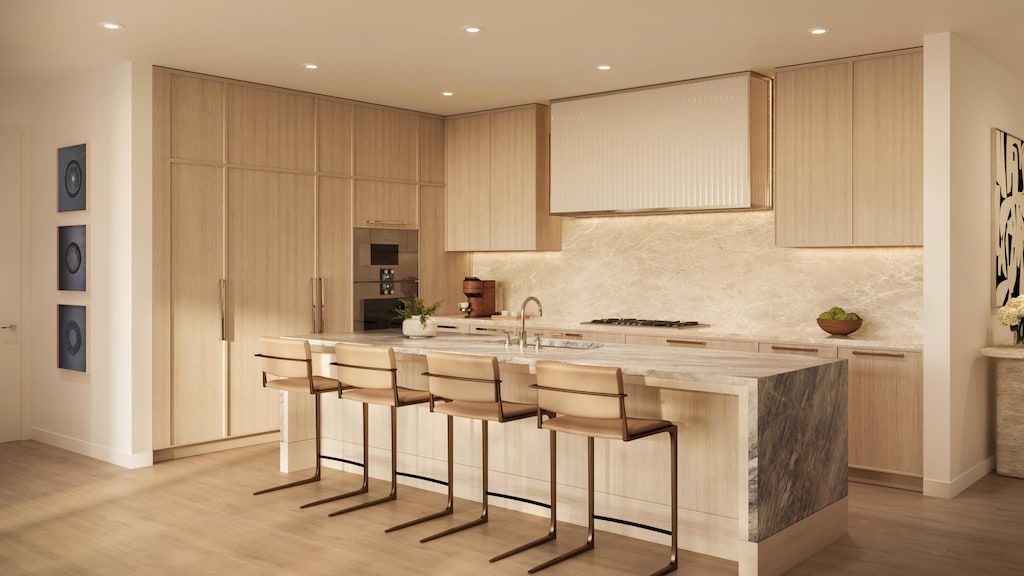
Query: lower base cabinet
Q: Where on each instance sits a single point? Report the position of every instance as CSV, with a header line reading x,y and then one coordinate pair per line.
x,y
885,415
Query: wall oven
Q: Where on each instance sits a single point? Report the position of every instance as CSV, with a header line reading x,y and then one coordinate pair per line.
x,y
386,269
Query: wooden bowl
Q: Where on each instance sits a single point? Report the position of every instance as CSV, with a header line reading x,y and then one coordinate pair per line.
x,y
839,327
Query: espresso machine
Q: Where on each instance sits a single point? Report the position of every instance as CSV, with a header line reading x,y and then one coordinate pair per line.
x,y
480,295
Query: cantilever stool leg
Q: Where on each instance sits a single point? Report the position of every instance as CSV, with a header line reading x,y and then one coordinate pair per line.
x,y
467,386
368,375
291,362
589,401
553,518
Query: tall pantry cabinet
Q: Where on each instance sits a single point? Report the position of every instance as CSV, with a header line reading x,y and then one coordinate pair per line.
x,y
253,213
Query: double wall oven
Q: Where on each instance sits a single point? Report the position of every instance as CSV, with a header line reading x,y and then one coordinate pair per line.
x,y
386,269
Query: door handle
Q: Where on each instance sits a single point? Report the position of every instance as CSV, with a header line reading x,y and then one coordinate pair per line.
x,y
11,327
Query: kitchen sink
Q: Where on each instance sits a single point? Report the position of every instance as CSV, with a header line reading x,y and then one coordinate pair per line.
x,y
558,343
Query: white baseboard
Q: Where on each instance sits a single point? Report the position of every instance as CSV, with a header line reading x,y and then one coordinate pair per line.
x,y
948,490
104,453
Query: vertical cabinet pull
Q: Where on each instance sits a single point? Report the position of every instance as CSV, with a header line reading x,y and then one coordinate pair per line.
x,y
313,296
320,284
223,309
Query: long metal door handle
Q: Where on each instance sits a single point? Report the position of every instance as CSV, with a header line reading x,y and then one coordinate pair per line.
x,y
223,309
312,290
321,300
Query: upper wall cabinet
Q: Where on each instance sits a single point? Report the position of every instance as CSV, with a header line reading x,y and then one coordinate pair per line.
x,y
498,182
849,152
334,137
196,118
694,145
269,128
431,150
385,143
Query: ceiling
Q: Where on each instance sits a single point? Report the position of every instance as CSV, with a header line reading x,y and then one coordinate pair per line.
x,y
404,53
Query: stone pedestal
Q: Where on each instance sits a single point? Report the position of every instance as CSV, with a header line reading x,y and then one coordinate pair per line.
x,y
1009,409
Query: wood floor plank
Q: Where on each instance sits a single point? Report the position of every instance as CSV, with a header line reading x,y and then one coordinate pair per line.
x,y
62,513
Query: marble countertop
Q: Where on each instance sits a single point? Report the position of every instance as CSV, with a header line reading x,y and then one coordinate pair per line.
x,y
716,367
1006,351
764,335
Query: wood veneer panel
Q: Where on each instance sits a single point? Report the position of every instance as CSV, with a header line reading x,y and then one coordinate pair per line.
x,y
431,150
384,204
385,143
441,272
197,118
888,155
514,179
334,251
468,153
269,128
161,256
196,266
885,410
813,156
269,273
334,137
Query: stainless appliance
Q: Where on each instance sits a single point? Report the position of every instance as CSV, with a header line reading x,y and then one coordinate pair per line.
x,y
385,269
649,323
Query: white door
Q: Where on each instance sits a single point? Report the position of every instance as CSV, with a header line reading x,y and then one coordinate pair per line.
x,y
10,281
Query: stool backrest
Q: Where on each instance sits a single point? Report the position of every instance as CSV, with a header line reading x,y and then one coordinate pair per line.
x,y
580,390
463,377
365,366
284,357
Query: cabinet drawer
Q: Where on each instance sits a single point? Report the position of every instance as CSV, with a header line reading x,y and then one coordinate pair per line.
x,y
693,342
800,349
443,326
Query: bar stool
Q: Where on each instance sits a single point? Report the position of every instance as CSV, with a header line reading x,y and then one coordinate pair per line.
x,y
589,401
467,386
290,361
368,375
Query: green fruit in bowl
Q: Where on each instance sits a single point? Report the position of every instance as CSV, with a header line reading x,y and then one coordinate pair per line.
x,y
837,313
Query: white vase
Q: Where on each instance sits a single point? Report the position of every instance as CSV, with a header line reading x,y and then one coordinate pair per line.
x,y
412,328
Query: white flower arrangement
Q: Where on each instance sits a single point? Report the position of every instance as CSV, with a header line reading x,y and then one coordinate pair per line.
x,y
1011,313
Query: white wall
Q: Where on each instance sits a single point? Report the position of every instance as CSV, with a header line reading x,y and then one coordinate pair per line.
x,y
106,413
959,318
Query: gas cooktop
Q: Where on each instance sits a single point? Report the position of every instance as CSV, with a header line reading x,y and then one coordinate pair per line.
x,y
651,323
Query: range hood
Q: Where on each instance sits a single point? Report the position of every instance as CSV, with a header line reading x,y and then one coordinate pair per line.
x,y
688,146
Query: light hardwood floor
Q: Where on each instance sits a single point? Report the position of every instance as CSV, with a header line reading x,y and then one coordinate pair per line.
x,y
62,513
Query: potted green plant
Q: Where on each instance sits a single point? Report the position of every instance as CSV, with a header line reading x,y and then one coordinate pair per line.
x,y
416,317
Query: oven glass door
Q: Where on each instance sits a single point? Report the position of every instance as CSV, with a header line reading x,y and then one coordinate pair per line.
x,y
376,311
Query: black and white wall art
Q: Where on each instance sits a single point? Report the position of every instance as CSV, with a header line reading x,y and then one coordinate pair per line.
x,y
71,180
72,338
71,258
1008,202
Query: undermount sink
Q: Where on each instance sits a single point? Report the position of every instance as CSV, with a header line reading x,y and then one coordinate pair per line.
x,y
558,343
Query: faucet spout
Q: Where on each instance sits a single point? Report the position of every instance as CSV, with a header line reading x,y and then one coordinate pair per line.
x,y
522,317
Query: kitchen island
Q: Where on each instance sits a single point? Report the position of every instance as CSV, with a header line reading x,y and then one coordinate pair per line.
x,y
763,443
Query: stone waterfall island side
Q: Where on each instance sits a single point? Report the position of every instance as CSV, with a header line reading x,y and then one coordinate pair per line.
x,y
763,440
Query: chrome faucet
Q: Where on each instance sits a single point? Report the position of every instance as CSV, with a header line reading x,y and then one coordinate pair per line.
x,y
522,318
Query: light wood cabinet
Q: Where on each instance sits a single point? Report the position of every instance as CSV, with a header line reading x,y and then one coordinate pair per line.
x,y
683,341
849,152
269,127
334,137
385,205
385,143
885,413
441,272
798,349
334,253
431,151
498,182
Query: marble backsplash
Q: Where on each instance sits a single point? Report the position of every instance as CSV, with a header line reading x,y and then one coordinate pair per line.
x,y
722,269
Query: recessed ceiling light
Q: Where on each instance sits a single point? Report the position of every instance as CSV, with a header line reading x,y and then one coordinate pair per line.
x,y
472,29
604,67
817,31
446,93
111,25
311,66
